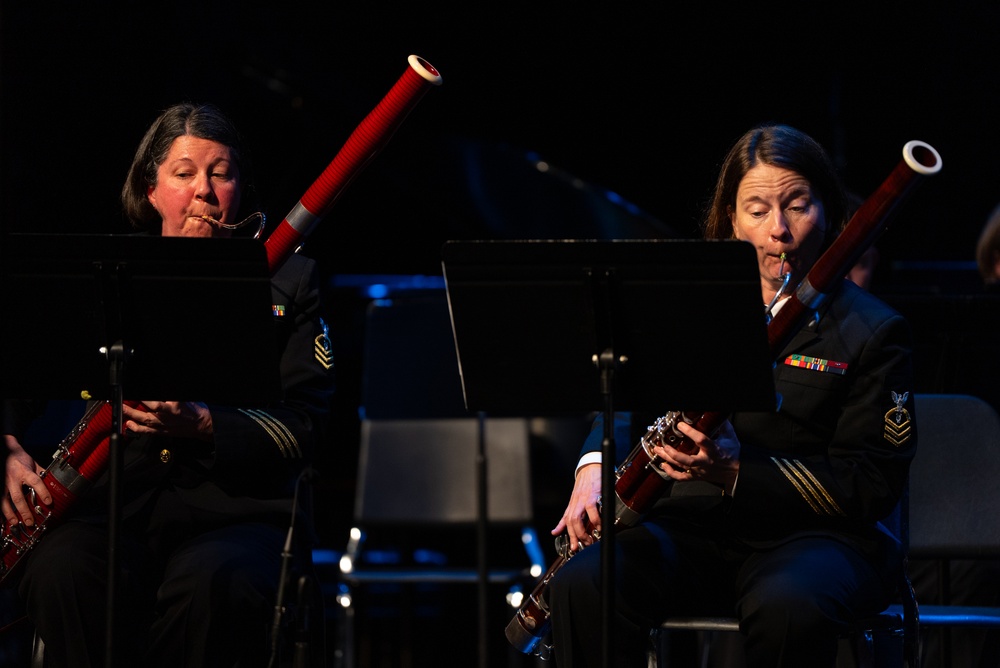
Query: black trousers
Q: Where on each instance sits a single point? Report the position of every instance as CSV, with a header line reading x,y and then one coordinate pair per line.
x,y
207,601
793,600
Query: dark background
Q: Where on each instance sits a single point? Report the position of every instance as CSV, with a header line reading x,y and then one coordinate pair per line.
x,y
641,101
632,107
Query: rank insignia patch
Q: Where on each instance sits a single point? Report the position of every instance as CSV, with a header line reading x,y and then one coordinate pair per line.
x,y
897,421
323,347
817,364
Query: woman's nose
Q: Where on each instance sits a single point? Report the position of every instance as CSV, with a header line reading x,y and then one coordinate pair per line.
x,y
203,187
779,226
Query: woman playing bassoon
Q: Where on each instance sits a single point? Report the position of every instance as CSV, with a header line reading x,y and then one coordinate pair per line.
x,y
788,538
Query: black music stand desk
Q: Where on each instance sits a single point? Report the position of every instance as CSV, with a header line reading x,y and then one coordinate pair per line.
x,y
151,317
184,308
551,327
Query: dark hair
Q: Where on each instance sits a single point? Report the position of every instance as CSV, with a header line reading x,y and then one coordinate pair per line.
x,y
204,121
781,146
988,247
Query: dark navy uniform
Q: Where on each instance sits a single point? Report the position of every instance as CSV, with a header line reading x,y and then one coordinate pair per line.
x,y
797,551
203,524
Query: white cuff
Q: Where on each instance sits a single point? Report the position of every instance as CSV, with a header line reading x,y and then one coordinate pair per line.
x,y
589,458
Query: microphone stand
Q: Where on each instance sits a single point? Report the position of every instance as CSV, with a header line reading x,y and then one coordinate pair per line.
x,y
286,559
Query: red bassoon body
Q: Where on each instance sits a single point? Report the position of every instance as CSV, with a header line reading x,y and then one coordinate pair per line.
x,y
81,458
367,139
83,455
639,480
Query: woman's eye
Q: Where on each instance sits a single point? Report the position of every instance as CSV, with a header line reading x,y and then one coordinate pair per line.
x,y
799,205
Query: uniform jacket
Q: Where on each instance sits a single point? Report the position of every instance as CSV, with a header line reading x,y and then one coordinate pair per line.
x,y
835,456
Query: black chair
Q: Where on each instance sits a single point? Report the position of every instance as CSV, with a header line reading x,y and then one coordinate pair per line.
x,y
416,510
421,529
954,510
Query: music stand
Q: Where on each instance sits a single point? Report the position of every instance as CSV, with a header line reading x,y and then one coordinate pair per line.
x,y
550,327
151,317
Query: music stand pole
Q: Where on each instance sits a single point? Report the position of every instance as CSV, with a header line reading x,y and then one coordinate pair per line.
x,y
116,357
607,364
481,527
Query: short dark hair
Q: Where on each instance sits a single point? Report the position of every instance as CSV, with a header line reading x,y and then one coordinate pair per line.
x,y
204,121
781,146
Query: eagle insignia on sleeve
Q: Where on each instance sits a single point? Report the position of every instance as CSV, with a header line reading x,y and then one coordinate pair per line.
x,y
897,421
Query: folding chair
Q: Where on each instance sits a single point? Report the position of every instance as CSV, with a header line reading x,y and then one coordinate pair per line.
x,y
415,513
433,482
954,510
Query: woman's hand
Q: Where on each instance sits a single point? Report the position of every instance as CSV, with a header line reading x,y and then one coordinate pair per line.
x,y
21,471
174,418
716,460
583,505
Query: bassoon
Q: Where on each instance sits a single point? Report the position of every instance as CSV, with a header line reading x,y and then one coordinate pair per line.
x,y
639,481
83,455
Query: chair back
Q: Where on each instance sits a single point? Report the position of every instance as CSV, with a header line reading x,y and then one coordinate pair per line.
x,y
419,446
424,471
954,510
410,367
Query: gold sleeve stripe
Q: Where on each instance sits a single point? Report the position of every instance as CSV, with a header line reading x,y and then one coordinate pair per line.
x,y
806,486
811,490
828,500
281,443
793,468
291,443
286,433
795,483
285,441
